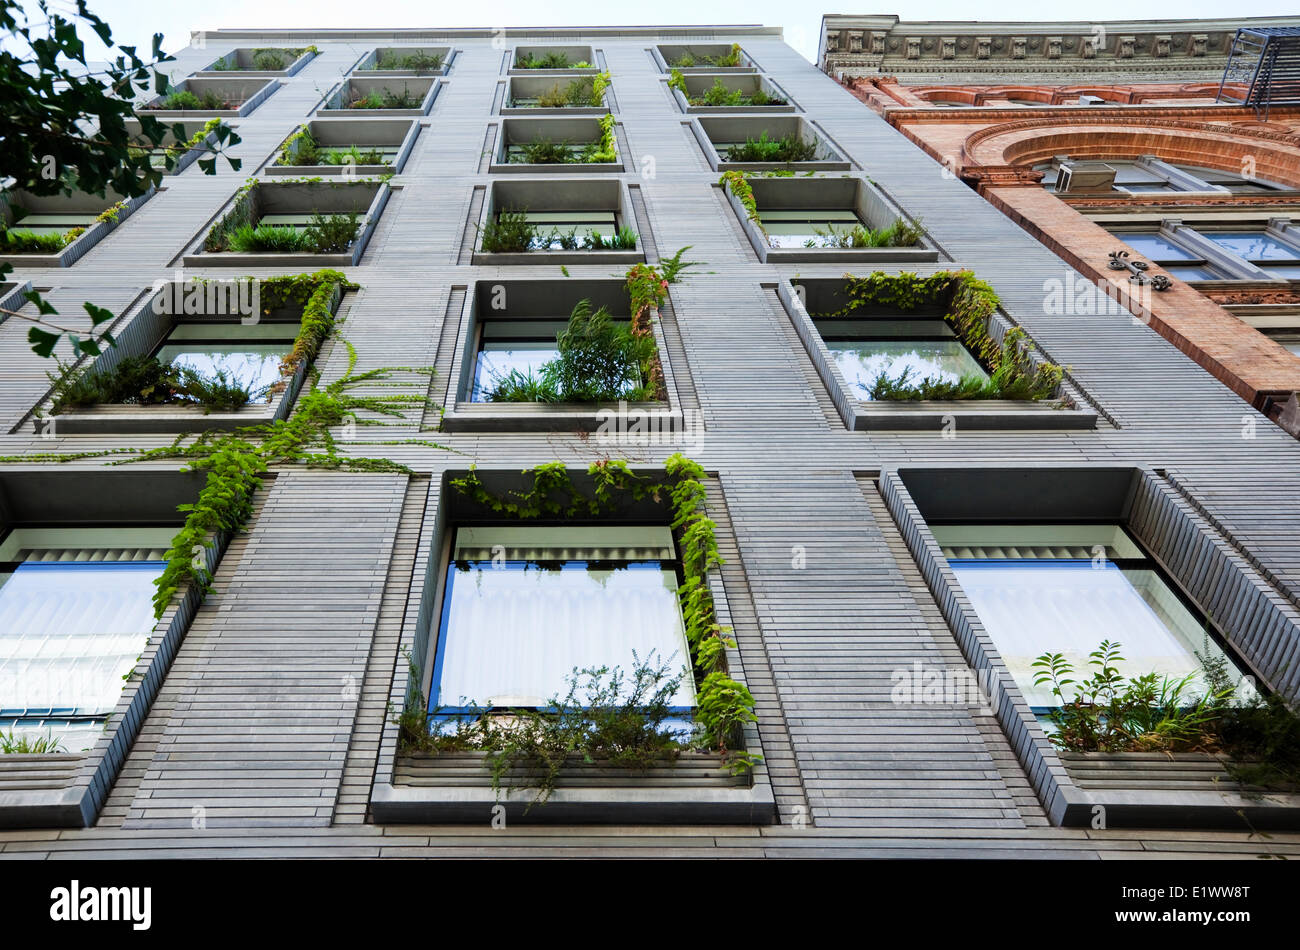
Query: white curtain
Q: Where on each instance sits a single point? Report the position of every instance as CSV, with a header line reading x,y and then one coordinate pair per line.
x,y
512,636
70,631
1069,607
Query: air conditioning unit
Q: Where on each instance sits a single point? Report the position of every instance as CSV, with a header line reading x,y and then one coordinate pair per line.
x,y
1085,178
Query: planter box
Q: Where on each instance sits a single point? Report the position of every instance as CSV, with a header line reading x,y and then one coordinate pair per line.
x,y
190,127
11,296
240,62
366,67
699,82
713,132
665,54
1130,790
77,204
530,87
576,54
244,93
336,103
868,415
545,195
576,130
62,790
366,197
836,194
142,333
399,134
544,299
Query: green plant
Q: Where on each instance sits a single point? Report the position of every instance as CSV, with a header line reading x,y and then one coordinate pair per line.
x,y
270,59
417,62
624,239
18,241
719,95
268,239
598,360
352,155
29,745
508,232
386,99
241,214
146,381
546,152
677,81
685,61
301,148
333,233
900,233
184,99
552,60
789,148
727,59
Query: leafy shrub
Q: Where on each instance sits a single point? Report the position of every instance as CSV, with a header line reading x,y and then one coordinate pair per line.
x,y
147,381
352,155
583,91
268,239
1012,379
184,99
898,234
417,62
546,152
386,99
790,148
331,234
270,59
547,61
624,239
598,361
508,232
18,241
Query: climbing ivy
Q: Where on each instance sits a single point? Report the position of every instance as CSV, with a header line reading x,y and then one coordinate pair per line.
x,y
735,182
723,705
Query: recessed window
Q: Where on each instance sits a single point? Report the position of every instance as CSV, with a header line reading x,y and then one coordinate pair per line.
x,y
565,230
865,350
249,354
76,612
526,606
1052,588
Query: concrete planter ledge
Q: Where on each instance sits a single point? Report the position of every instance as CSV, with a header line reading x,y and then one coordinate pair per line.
x,y
575,129
366,67
665,54
838,194
548,195
248,93
575,54
865,415
699,82
715,131
82,204
367,198
343,133
336,102
239,62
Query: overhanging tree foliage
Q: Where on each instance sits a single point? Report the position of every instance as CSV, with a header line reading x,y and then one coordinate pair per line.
x,y
63,128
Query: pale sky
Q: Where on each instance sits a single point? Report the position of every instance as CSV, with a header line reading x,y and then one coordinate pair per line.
x,y
135,21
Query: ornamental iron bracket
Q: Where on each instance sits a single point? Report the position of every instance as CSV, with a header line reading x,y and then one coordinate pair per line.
x,y
1119,260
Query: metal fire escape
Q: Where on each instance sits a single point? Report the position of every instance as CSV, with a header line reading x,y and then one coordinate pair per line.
x,y
1263,69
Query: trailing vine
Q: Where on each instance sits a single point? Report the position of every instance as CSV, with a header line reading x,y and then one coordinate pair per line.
x,y
677,81
607,148
723,705
235,461
735,182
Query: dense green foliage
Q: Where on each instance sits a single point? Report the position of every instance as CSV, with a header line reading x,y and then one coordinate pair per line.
x,y
583,91
723,60
899,233
546,152
553,60
1104,712
598,360
787,149
415,62
301,148
385,99
509,231
239,231
146,381
185,99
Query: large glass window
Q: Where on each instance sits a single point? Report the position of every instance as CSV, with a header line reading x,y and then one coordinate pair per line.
x,y
1151,175
525,606
865,350
1177,251
1158,248
554,227
76,612
1064,589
